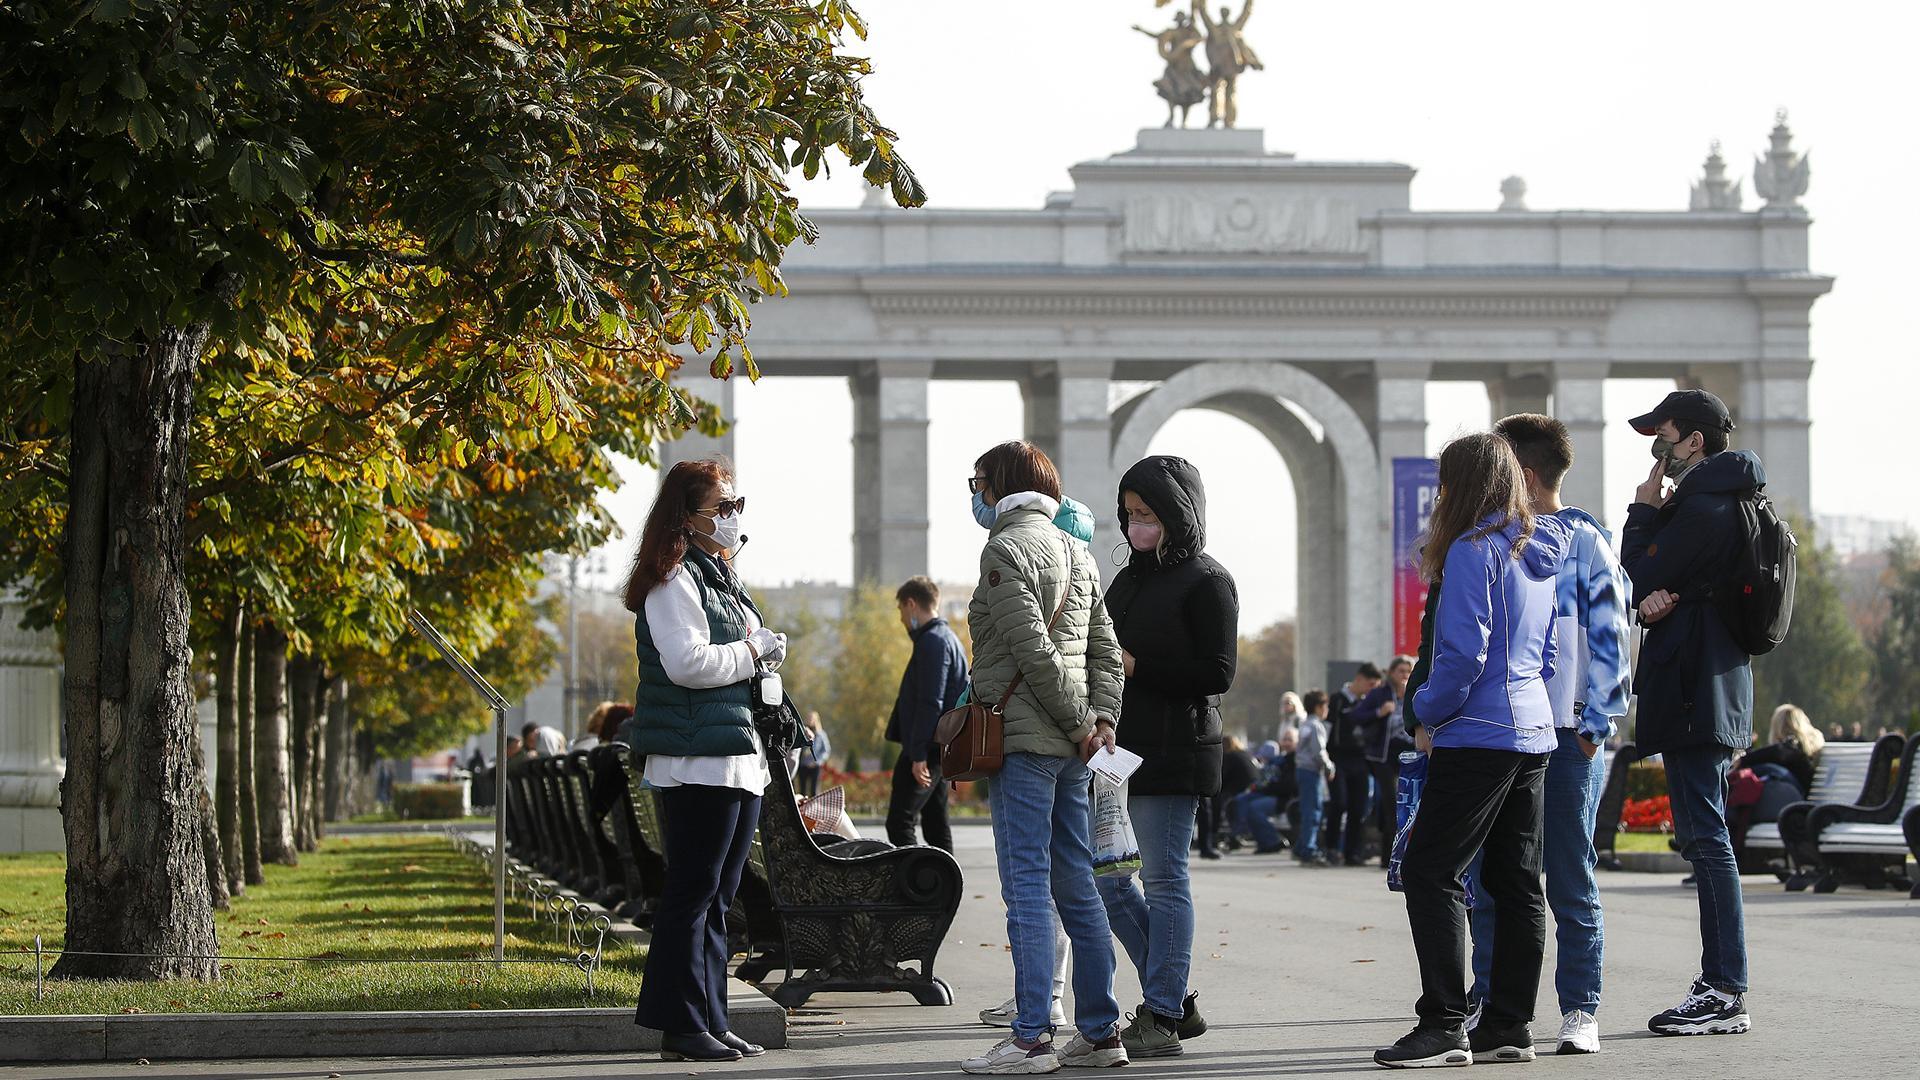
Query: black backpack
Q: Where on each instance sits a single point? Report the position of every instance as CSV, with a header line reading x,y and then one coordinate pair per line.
x,y
1756,599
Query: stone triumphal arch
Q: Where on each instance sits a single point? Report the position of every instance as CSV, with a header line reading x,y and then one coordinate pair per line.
x,y
1306,298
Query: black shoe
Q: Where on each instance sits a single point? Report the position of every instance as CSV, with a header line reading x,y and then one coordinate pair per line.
x,y
1705,1012
1427,1048
1232,843
1192,1025
1353,862
1269,849
698,1046
1691,881
1509,1043
1209,853
746,1048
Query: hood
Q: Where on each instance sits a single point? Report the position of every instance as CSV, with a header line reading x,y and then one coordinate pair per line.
x,y
1075,519
1547,549
1574,517
1725,473
1171,488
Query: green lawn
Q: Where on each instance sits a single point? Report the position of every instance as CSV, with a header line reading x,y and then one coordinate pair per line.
x,y
1641,841
366,897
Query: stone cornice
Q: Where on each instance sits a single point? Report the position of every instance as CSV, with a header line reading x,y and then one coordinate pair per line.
x,y
1049,305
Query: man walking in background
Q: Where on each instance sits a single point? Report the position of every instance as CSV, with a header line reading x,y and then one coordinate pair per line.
x,y
936,675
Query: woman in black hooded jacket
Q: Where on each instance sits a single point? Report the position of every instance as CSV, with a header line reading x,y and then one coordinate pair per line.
x,y
1177,615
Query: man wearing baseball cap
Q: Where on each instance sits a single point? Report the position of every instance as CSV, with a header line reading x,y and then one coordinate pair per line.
x,y
1683,535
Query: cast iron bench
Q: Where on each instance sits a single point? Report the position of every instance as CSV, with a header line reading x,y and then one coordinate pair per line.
x,y
1868,843
1858,773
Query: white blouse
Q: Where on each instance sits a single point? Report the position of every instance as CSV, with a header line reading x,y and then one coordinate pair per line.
x,y
678,623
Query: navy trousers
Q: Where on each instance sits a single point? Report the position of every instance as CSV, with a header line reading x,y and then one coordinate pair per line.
x,y
709,832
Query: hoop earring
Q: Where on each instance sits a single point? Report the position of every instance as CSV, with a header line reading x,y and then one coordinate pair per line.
x,y
1118,558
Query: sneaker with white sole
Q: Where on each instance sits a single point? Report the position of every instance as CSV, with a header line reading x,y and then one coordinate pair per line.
x,y
1148,1035
1500,1046
1579,1033
1002,1015
1706,1011
1427,1048
1012,1057
1105,1054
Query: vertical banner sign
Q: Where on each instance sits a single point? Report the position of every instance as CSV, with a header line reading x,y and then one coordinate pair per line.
x,y
1416,482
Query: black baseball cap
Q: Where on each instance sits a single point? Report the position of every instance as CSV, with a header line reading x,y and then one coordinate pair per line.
x,y
1696,407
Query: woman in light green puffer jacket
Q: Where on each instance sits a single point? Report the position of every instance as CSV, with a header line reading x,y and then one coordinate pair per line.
x,y
1065,708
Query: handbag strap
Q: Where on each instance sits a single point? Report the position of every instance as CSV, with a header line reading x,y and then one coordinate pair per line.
x,y
1065,591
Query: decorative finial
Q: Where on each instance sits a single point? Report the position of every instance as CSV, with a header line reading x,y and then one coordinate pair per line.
x,y
1714,191
1781,176
1513,193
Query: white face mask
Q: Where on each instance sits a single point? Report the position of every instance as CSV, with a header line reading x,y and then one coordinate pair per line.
x,y
726,531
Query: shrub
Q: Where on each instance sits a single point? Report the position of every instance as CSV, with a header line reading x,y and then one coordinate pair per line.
x,y
430,801
1653,815
1646,780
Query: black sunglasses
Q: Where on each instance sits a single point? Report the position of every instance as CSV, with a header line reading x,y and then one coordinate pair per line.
x,y
975,483
727,506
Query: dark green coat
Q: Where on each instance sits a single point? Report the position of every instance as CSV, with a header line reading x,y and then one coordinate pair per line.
x,y
681,722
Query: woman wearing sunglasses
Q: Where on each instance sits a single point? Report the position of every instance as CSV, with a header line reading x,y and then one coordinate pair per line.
x,y
700,640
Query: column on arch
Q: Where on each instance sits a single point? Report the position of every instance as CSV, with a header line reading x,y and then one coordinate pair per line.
x,y
1772,420
693,446
1579,401
1400,431
1520,389
890,470
1067,416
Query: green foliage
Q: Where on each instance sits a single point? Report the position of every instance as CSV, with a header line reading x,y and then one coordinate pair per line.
x,y
379,898
873,652
1822,666
1896,677
449,255
1263,673
429,802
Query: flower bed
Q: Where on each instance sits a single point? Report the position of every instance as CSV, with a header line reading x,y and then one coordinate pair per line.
x,y
1654,815
869,792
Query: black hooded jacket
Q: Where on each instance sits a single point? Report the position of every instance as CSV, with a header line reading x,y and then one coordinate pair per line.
x,y
1177,612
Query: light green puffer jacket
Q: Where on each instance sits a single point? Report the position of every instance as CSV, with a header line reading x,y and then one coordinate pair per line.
x,y
1069,675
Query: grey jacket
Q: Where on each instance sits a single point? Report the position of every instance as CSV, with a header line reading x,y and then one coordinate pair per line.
x,y
1071,674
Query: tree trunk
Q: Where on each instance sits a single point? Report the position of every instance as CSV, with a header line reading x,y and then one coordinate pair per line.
x,y
244,764
303,674
271,775
227,750
136,867
210,842
337,754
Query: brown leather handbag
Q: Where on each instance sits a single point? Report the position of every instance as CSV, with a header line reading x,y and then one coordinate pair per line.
x,y
973,737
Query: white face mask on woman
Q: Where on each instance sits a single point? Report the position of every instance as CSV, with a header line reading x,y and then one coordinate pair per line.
x,y
726,531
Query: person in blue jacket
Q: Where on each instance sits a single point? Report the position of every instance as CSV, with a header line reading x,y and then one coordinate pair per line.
x,y
1487,722
935,677
1589,695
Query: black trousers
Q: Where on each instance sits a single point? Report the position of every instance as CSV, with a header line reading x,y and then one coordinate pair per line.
x,y
1386,781
1347,807
806,780
1474,800
1206,823
912,804
708,832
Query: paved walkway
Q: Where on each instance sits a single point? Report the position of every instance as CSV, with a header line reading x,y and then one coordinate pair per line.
x,y
1306,972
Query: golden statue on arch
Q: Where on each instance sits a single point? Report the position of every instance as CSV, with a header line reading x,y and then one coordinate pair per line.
x,y
1228,55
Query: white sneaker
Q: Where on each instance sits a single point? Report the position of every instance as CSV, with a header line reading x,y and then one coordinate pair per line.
x,y
1579,1033
1002,1015
1009,1058
1101,1055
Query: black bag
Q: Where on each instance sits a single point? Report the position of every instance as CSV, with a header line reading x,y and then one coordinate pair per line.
x,y
1756,600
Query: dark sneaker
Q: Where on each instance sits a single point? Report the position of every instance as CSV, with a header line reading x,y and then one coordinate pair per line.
x,y
1427,1048
1502,1045
1705,1012
1192,1024
1147,1035
1082,1054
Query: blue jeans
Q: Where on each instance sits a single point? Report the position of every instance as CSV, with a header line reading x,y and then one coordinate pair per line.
x,y
1157,929
1574,785
1042,843
1697,787
1257,811
1312,791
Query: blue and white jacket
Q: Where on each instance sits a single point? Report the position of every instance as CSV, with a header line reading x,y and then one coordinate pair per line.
x,y
1493,640
1590,686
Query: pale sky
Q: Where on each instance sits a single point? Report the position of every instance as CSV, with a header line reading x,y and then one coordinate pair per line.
x,y
1598,107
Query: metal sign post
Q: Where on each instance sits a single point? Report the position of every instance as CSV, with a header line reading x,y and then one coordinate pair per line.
x,y
499,706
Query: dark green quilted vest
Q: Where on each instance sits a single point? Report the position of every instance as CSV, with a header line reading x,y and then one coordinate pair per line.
x,y
680,722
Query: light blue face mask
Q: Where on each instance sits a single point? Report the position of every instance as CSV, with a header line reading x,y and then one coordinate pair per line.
x,y
982,513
